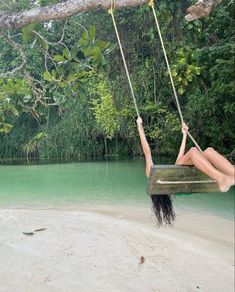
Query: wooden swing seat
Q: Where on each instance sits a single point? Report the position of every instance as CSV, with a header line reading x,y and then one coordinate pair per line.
x,y
178,179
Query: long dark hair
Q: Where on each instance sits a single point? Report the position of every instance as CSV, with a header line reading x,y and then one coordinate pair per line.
x,y
163,209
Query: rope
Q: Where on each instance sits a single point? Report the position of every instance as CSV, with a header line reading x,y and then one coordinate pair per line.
x,y
151,4
111,12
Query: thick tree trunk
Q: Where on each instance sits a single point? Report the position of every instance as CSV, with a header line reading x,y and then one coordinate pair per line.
x,y
59,11
68,8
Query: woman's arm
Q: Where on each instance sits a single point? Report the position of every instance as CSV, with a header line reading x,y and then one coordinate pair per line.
x,y
145,146
183,143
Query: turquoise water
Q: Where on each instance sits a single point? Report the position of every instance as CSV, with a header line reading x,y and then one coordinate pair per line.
x,y
91,183
83,182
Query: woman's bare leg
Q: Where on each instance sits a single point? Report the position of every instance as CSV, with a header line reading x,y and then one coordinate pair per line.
x,y
186,159
219,161
193,156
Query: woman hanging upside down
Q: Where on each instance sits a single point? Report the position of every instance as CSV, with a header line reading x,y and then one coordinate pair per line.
x,y
210,162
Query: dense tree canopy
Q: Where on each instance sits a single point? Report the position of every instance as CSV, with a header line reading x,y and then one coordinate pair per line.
x,y
63,88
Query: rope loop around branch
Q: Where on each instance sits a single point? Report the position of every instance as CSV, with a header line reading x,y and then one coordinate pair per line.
x,y
151,3
112,7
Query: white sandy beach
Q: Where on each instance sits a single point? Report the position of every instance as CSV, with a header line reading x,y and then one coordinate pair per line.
x,y
100,250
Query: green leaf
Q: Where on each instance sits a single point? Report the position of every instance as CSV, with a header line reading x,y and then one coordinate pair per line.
x,y
87,52
14,111
47,76
5,127
40,135
62,84
84,40
72,77
27,34
91,32
58,58
96,53
66,53
74,52
53,73
102,44
110,49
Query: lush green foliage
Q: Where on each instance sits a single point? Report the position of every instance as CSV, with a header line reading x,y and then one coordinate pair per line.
x,y
105,113
73,100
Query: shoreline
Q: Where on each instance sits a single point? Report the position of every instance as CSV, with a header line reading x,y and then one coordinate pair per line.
x,y
101,249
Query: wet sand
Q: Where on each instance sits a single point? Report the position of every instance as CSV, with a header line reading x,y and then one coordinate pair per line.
x,y
114,249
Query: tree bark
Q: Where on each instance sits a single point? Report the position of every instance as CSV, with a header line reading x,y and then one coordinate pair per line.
x,y
9,20
201,8
61,10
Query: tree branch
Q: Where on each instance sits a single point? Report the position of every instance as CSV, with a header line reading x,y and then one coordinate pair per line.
x,y
65,9
201,8
61,10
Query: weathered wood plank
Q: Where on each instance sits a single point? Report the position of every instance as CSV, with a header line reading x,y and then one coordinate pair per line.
x,y
175,179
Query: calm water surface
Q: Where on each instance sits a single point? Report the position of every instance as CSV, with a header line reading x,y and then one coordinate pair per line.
x,y
91,183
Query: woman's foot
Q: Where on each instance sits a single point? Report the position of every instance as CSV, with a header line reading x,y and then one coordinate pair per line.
x,y
225,182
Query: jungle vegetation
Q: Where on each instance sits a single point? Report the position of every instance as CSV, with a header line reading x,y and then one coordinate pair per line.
x,y
64,92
